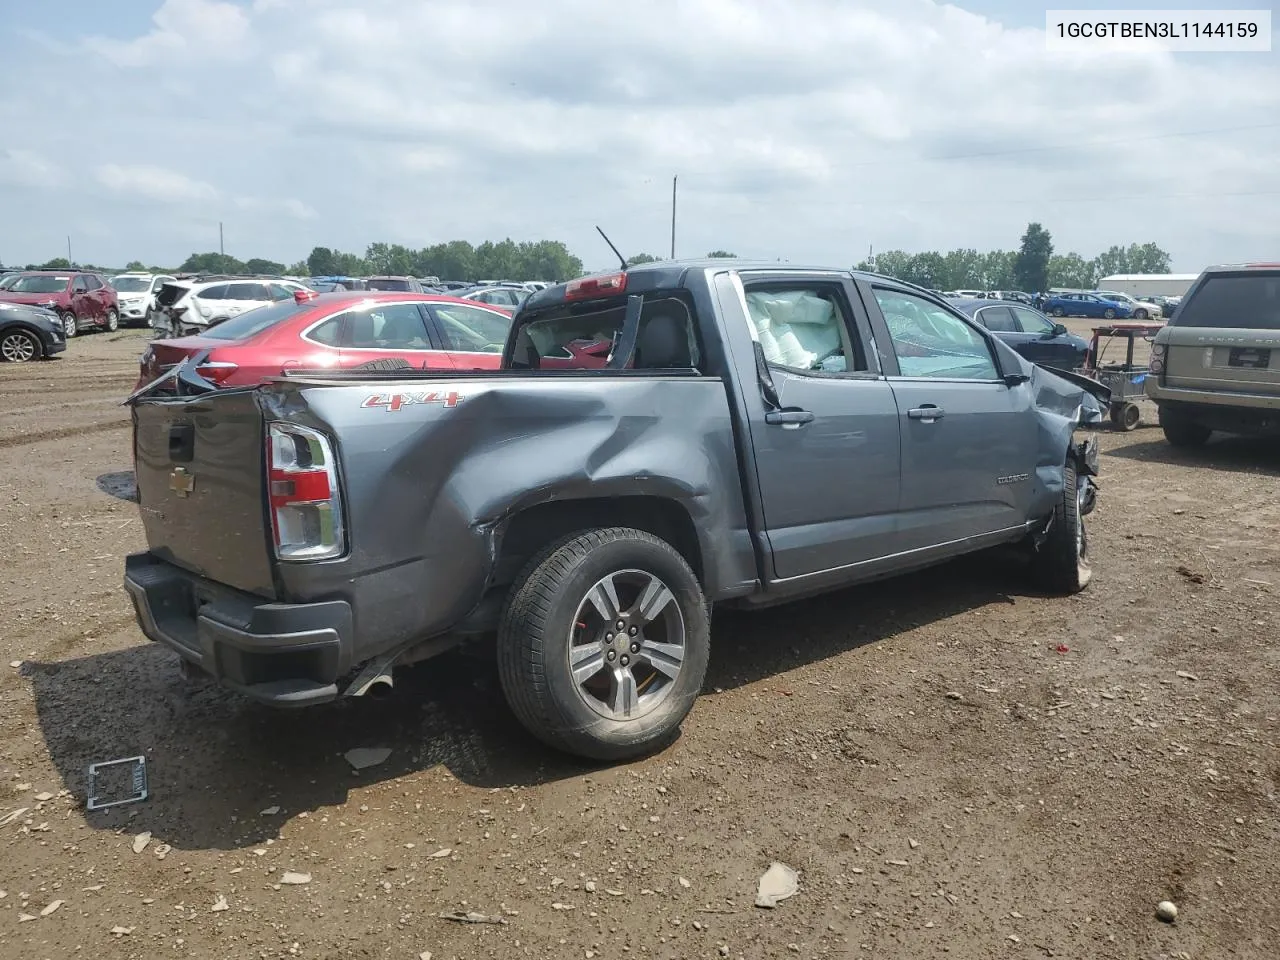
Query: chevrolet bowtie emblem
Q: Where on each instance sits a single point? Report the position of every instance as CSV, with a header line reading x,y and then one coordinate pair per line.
x,y
181,482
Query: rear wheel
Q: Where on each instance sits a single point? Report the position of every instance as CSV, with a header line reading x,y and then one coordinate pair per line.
x,y
386,363
1182,431
604,642
69,326
1061,564
113,319
1109,314
19,346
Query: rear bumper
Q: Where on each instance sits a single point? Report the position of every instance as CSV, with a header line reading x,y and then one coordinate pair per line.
x,y
282,654
1212,398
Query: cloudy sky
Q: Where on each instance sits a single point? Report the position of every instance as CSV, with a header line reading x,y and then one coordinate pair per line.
x,y
805,130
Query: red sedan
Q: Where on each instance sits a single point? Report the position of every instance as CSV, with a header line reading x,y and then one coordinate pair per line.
x,y
341,330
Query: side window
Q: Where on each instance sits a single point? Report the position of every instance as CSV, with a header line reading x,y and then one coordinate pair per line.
x,y
79,286
280,292
248,291
804,328
391,326
1031,322
328,332
216,292
997,318
471,329
930,342
93,283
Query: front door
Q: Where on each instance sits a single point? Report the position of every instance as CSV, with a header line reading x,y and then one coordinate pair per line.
x,y
969,440
827,461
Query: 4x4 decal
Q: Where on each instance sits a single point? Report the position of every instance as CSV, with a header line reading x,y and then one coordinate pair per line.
x,y
394,401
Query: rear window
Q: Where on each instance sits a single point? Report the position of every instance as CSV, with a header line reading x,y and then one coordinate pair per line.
x,y
253,322
400,286
583,336
171,293
1247,299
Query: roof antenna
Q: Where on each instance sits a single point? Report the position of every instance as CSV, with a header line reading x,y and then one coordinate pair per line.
x,y
621,259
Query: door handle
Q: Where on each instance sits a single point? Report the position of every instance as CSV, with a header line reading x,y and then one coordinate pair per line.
x,y
928,413
789,418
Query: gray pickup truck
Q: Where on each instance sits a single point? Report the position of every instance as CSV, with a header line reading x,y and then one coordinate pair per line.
x,y
656,441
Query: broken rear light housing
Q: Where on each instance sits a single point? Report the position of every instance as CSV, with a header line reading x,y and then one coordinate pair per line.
x,y
303,490
604,285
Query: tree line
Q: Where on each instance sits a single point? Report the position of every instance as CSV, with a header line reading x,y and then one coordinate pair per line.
x,y
454,260
1033,267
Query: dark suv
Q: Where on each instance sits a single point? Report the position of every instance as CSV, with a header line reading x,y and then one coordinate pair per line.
x,y
83,301
1216,366
395,284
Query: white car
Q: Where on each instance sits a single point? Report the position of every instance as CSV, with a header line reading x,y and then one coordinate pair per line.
x,y
186,304
1142,309
136,293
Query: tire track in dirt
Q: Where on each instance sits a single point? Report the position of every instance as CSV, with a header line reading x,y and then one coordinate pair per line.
x,y
60,433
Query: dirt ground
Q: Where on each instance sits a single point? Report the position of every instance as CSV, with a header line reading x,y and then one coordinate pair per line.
x,y
956,765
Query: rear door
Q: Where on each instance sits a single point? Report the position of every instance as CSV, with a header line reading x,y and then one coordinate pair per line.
x,y
827,461
97,296
1226,334
473,336
969,440
391,331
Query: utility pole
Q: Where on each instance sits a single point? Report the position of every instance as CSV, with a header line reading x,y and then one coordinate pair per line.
x,y
221,250
69,260
673,217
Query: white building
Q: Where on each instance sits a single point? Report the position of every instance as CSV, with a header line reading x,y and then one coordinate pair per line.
x,y
1148,284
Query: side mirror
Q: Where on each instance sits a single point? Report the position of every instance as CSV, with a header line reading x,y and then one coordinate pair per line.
x,y
1059,330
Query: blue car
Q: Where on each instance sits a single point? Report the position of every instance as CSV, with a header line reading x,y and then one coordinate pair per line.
x,y
1085,305
1029,332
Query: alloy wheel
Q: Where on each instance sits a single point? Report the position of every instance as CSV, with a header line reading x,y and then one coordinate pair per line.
x,y
626,645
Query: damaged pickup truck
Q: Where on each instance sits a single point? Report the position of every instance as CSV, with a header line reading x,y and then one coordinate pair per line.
x,y
657,441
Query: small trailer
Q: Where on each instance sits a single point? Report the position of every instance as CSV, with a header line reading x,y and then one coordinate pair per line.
x,y
1125,378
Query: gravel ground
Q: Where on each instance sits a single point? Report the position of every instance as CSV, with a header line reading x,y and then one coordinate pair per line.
x,y
955,765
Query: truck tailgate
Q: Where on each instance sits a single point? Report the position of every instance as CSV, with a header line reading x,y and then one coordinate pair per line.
x,y
200,473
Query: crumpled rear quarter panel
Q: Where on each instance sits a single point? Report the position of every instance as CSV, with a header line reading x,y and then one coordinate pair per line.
x,y
426,485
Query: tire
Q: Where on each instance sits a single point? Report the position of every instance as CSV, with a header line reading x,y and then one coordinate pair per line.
x,y
1059,312
1108,314
1061,564
1139,314
1125,416
557,611
1181,431
20,346
69,325
113,320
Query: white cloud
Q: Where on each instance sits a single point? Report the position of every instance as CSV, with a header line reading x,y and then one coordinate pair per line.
x,y
801,129
209,29
27,168
154,183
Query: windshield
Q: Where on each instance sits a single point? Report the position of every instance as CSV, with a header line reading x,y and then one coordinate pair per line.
x,y
253,322
1250,300
384,284
31,284
131,284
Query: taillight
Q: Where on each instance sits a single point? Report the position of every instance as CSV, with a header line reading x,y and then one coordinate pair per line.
x,y
306,504
603,286
1157,357
216,371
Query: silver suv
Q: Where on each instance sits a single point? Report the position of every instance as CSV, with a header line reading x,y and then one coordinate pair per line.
x,y
1216,365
